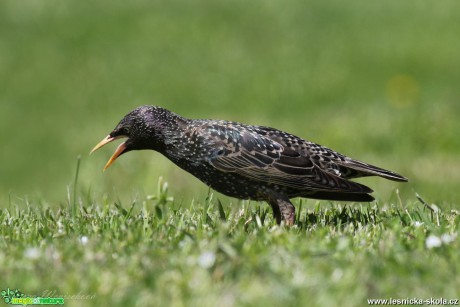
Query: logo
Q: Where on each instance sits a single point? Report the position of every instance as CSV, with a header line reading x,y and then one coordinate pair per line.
x,y
16,297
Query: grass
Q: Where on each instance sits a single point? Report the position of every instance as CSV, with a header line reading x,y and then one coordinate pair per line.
x,y
156,252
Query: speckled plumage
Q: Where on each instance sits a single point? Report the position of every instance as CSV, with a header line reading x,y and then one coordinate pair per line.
x,y
247,162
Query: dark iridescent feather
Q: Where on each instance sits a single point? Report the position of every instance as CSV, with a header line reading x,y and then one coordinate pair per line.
x,y
250,162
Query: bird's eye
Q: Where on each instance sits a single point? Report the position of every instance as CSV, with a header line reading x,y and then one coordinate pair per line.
x,y
125,131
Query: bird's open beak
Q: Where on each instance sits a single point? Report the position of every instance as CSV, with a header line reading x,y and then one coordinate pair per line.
x,y
120,149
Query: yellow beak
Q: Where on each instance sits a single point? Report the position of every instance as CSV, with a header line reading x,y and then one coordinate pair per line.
x,y
120,149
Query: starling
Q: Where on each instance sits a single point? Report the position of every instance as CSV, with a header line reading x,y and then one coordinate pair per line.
x,y
246,162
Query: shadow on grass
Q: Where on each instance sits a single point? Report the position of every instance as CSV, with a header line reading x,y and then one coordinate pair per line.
x,y
339,216
322,216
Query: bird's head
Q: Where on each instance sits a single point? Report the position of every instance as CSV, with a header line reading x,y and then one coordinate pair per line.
x,y
143,128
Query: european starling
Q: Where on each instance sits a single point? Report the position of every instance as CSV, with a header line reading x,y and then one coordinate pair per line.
x,y
246,162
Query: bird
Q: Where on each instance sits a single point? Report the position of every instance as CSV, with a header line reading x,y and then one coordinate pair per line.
x,y
246,161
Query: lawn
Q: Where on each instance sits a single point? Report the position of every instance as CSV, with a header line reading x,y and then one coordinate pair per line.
x,y
154,252
375,81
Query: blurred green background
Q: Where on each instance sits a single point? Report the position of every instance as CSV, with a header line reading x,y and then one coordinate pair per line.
x,y
378,81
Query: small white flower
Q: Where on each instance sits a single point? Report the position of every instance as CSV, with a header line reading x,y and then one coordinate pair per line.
x,y
207,260
433,241
84,240
32,253
448,238
60,226
417,224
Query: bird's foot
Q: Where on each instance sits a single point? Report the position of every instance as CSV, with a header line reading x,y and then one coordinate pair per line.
x,y
283,209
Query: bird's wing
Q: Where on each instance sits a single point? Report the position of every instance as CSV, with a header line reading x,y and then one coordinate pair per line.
x,y
327,159
250,154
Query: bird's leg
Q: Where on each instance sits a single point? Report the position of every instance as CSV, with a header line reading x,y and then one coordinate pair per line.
x,y
283,209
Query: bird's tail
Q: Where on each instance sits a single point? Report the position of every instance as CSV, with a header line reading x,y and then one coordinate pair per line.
x,y
361,169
